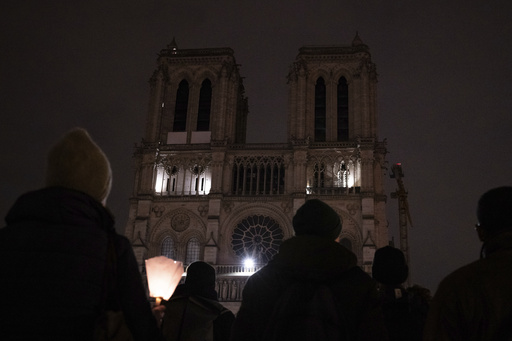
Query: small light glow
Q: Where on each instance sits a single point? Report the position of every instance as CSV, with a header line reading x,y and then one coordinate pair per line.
x,y
248,262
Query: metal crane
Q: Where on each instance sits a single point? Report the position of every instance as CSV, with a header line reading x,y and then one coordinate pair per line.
x,y
404,215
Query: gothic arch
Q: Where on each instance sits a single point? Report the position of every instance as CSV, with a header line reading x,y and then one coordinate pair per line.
x,y
344,72
316,74
157,239
189,234
181,224
186,237
247,209
185,73
205,73
352,231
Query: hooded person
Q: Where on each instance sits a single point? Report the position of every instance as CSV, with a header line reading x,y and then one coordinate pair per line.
x,y
312,258
56,276
193,311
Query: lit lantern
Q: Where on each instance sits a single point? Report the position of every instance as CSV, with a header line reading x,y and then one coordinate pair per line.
x,y
164,275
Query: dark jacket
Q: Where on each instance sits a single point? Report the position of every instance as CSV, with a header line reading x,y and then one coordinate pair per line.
x,y
475,301
405,312
195,314
52,266
317,259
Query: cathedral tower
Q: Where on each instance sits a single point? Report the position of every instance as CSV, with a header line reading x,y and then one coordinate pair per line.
x,y
202,193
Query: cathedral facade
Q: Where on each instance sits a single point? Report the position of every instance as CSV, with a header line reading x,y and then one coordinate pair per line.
x,y
202,193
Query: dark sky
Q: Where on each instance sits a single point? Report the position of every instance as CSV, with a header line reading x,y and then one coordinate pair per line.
x,y
444,92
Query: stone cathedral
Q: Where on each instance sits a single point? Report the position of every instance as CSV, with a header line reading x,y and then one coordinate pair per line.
x,y
202,193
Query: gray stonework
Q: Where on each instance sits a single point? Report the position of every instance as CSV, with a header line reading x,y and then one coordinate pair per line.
x,y
208,195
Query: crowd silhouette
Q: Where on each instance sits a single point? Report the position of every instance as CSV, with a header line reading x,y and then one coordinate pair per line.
x,y
67,275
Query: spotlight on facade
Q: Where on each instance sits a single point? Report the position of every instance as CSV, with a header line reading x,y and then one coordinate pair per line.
x,y
248,263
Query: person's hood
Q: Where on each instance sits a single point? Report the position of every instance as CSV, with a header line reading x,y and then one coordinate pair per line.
x,y
184,290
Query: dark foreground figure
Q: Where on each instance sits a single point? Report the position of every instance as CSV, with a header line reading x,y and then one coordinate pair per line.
x,y
475,301
344,305
405,309
193,312
53,254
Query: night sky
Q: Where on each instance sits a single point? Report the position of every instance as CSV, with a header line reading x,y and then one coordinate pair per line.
x,y
444,92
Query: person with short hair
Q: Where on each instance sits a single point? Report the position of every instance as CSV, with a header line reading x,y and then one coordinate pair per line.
x,y
55,280
475,301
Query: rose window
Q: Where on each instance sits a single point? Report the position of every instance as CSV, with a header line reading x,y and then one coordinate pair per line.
x,y
257,237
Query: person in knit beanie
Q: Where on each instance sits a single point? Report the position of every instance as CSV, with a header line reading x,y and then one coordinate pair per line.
x,y
76,162
60,251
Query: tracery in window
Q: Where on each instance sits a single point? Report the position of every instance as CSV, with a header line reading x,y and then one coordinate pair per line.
x,y
193,251
342,173
167,248
332,176
258,175
319,175
178,175
257,237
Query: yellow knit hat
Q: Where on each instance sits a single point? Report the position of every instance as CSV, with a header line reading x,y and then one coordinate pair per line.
x,y
76,162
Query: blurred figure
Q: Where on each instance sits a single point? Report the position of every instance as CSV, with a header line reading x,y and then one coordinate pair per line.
x,y
475,301
340,289
193,311
405,310
55,259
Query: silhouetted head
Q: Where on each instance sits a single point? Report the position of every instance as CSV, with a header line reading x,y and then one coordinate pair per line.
x,y
494,210
200,275
76,162
389,266
317,218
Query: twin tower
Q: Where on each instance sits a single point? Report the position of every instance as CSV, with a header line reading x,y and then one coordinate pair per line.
x,y
202,193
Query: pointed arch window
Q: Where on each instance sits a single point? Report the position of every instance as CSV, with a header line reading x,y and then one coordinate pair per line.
x,y
167,248
342,109
319,176
205,104
258,175
193,250
180,110
320,110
